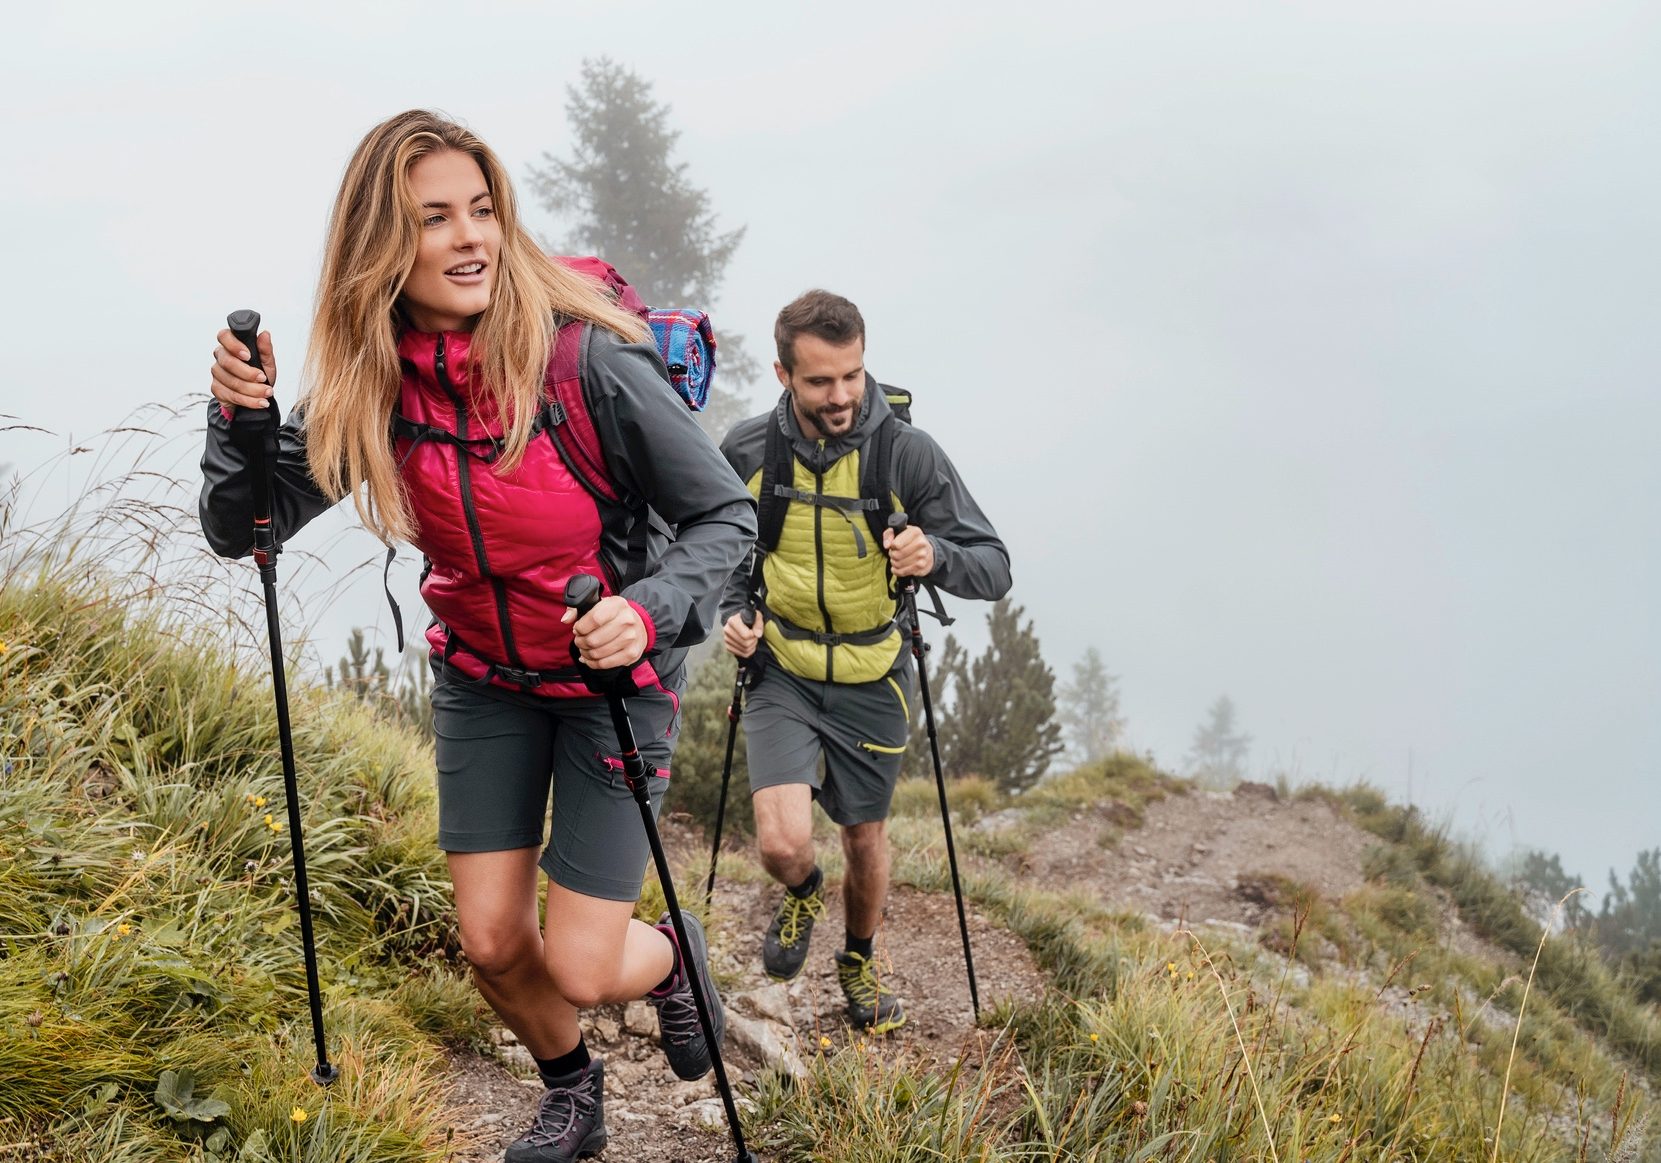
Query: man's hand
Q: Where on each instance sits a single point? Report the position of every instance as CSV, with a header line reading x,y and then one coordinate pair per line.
x,y
910,554
609,636
741,639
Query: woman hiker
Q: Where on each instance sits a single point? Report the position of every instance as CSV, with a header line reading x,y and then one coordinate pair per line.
x,y
437,322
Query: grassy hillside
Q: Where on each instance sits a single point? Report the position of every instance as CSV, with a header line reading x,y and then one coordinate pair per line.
x,y
152,995
146,908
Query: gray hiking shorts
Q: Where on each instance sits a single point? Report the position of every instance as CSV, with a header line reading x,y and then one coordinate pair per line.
x,y
500,754
858,730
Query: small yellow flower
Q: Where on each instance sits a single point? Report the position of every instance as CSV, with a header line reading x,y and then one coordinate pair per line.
x,y
272,824
123,929
259,801
1336,1119
1095,1037
1190,975
824,1042
1170,967
298,1114
4,648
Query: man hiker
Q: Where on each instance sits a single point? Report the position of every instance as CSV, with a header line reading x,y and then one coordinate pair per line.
x,y
829,465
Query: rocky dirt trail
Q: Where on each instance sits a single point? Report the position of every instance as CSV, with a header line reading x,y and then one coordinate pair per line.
x,y
1201,858
653,1117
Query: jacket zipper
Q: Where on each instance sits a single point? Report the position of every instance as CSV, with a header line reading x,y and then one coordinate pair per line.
x,y
464,471
819,559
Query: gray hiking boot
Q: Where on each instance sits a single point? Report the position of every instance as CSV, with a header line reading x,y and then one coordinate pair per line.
x,y
678,1027
784,948
871,1005
570,1120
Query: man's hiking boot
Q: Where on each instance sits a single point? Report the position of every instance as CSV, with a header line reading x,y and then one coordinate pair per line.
x,y
784,949
678,1027
871,1005
570,1120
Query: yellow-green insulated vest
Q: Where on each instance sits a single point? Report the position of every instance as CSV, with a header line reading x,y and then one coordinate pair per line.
x,y
825,577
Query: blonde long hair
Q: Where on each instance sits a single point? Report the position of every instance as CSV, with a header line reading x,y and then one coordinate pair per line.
x,y
353,371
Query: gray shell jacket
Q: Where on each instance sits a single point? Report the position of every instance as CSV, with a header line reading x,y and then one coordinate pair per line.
x,y
654,449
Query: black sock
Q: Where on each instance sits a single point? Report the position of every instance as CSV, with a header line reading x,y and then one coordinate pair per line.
x,y
860,945
809,886
556,1069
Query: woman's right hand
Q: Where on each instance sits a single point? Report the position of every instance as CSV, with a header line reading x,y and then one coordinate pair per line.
x,y
236,382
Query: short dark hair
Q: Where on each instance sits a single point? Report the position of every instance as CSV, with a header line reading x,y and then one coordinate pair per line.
x,y
830,317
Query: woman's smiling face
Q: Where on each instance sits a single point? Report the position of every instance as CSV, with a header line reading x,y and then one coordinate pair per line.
x,y
455,260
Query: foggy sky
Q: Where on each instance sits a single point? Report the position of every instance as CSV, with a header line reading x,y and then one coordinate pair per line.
x,y
1303,353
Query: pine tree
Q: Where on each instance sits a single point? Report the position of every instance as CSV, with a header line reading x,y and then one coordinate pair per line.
x,y
357,673
1540,879
1218,757
405,694
1090,709
1002,721
1630,919
629,202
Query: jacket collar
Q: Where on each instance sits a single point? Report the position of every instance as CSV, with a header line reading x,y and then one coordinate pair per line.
x,y
873,410
418,352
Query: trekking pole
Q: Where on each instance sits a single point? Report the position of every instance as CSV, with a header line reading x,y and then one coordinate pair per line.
x,y
908,591
582,591
735,711
254,432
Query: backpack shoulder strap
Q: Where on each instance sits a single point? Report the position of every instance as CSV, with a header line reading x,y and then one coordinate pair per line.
x,y
569,420
778,468
876,470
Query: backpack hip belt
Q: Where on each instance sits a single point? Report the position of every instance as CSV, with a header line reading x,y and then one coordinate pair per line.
x,y
797,633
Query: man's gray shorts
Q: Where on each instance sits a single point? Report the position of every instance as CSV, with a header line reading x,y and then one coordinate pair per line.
x,y
500,752
859,730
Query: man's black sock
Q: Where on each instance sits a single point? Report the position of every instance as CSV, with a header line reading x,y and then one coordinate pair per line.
x,y
809,886
557,1069
860,945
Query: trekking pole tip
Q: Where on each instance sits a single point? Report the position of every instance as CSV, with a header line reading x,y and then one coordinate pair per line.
x,y
324,1073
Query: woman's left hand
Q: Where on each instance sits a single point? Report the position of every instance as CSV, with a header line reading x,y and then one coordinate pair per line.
x,y
609,636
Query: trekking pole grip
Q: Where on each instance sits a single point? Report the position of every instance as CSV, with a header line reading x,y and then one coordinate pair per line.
x,y
898,521
245,325
582,593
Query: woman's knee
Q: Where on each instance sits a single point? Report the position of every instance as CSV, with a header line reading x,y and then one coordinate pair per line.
x,y
583,982
497,952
